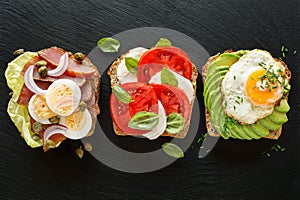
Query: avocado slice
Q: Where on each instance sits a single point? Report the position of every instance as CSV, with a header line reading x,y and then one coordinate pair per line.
x,y
250,132
259,129
213,77
283,107
234,134
278,117
226,59
214,84
239,130
269,124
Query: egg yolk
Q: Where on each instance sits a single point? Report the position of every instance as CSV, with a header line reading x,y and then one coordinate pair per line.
x,y
41,108
76,121
261,89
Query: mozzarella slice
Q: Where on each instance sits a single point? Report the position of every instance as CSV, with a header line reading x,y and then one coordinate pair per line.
x,y
161,126
123,74
183,83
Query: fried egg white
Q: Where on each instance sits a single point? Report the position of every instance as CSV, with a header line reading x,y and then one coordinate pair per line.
x,y
252,86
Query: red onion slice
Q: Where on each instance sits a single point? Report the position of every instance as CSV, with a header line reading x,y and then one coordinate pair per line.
x,y
62,66
29,82
52,130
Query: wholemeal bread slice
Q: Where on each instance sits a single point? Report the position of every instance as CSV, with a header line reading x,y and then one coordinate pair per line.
x,y
114,80
211,130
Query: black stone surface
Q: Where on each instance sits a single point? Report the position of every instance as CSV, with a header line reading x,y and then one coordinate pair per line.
x,y
233,170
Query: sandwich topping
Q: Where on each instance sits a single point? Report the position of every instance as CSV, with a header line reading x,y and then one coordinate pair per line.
x,y
158,89
245,94
57,99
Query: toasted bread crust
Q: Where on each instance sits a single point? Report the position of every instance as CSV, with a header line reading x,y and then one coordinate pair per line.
x,y
114,80
210,128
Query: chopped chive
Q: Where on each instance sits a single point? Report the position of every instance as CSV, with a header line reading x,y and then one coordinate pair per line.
x,y
242,100
234,107
237,102
275,86
251,78
253,86
282,48
283,54
294,53
280,58
234,77
268,155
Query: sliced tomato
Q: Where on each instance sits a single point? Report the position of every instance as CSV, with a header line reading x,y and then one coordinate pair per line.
x,y
144,99
173,99
152,61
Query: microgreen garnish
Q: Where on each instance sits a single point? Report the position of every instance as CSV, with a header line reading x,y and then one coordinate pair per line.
x,y
229,123
202,138
275,148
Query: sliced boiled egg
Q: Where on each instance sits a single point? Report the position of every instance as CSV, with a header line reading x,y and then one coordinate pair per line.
x,y
39,110
183,83
78,123
63,97
161,126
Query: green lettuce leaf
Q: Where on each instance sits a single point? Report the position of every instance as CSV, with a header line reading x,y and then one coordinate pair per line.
x,y
18,113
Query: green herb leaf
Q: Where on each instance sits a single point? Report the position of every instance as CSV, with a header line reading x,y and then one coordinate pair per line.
x,y
175,123
163,42
121,94
131,64
108,44
144,120
172,150
167,77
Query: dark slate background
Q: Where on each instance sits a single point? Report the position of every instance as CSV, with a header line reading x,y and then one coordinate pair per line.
x,y
233,170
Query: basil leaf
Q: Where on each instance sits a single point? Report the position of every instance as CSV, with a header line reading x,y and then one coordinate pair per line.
x,y
108,44
175,123
131,64
163,42
144,120
121,94
167,77
172,150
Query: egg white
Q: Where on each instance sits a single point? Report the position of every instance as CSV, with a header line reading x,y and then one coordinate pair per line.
x,y
33,114
76,95
235,100
74,135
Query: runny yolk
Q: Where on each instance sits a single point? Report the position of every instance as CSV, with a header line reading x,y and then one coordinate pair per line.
x,y
262,91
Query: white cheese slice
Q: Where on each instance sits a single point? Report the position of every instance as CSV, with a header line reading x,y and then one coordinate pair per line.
x,y
123,74
161,126
183,83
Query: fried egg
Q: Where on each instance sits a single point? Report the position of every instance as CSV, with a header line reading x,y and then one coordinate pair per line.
x,y
63,97
252,86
